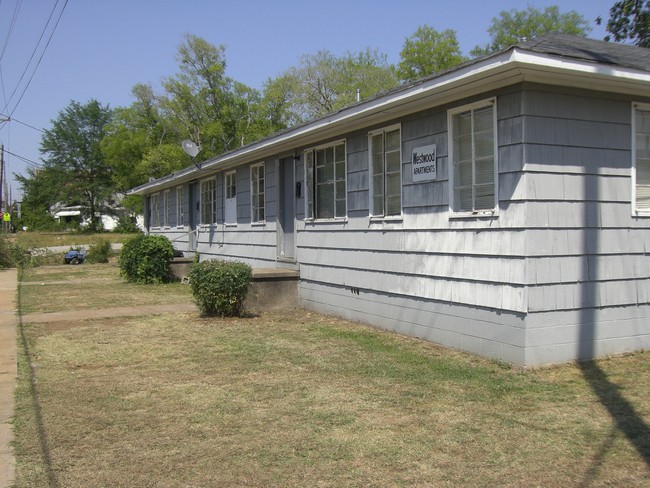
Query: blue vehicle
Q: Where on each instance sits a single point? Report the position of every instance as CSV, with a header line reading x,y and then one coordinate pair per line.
x,y
75,256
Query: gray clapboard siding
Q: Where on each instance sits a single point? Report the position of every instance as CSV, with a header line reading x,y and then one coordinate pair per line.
x,y
564,187
500,296
500,335
472,268
578,160
452,242
571,104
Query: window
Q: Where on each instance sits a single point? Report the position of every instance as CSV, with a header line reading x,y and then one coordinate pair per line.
x,y
385,172
155,210
166,208
230,210
325,177
208,201
472,152
180,211
257,193
641,158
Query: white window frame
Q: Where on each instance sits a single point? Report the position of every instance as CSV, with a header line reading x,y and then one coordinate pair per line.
x,y
258,212
155,210
166,205
636,211
494,210
211,194
373,211
180,208
312,184
227,191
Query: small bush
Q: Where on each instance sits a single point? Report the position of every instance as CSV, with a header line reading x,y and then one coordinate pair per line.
x,y
220,287
146,259
12,255
99,252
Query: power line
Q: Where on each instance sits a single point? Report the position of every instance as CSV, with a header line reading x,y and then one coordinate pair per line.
x,y
26,160
11,27
14,119
39,59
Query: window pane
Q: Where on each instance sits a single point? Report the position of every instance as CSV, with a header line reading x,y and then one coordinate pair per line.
x,y
392,184
463,199
484,195
483,119
463,148
484,171
392,141
378,184
325,201
340,171
392,162
393,205
462,174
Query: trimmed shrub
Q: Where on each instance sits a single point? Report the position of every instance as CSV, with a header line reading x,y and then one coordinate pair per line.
x,y
220,287
146,259
99,252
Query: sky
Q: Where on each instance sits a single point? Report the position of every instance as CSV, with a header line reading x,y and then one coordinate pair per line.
x,y
55,51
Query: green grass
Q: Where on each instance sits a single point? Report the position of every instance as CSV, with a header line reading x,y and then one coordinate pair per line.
x,y
300,399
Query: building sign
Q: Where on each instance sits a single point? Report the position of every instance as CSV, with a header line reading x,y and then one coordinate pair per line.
x,y
424,163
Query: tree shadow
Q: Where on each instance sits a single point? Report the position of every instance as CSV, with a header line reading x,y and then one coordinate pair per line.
x,y
36,404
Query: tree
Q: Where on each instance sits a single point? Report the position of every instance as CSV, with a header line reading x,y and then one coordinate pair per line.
x,y
428,51
204,104
72,156
323,83
40,193
514,26
629,20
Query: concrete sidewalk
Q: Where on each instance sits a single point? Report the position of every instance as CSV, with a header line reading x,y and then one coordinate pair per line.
x,y
8,372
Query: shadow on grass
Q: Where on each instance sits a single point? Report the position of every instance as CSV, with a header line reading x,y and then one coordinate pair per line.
x,y
36,404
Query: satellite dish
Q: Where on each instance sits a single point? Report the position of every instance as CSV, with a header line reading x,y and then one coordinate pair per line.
x,y
192,150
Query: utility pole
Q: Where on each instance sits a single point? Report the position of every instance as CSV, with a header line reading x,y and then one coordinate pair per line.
x,y
2,173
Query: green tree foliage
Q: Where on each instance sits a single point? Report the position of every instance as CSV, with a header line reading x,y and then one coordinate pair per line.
x,y
73,158
40,193
428,51
323,83
514,26
629,20
206,105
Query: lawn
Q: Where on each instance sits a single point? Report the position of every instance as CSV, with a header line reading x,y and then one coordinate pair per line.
x,y
295,398
36,239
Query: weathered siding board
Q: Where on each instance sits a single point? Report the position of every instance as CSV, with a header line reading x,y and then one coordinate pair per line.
x,y
571,104
579,160
472,268
557,131
453,242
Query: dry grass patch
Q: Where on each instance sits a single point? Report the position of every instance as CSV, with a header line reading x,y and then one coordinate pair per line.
x,y
300,399
89,286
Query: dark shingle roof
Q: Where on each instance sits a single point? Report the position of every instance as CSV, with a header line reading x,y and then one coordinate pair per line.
x,y
590,50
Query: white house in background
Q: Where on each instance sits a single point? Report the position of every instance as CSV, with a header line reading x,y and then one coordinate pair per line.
x,y
501,207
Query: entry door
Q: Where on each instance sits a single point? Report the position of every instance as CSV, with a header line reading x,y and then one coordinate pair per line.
x,y
194,208
286,211
230,210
